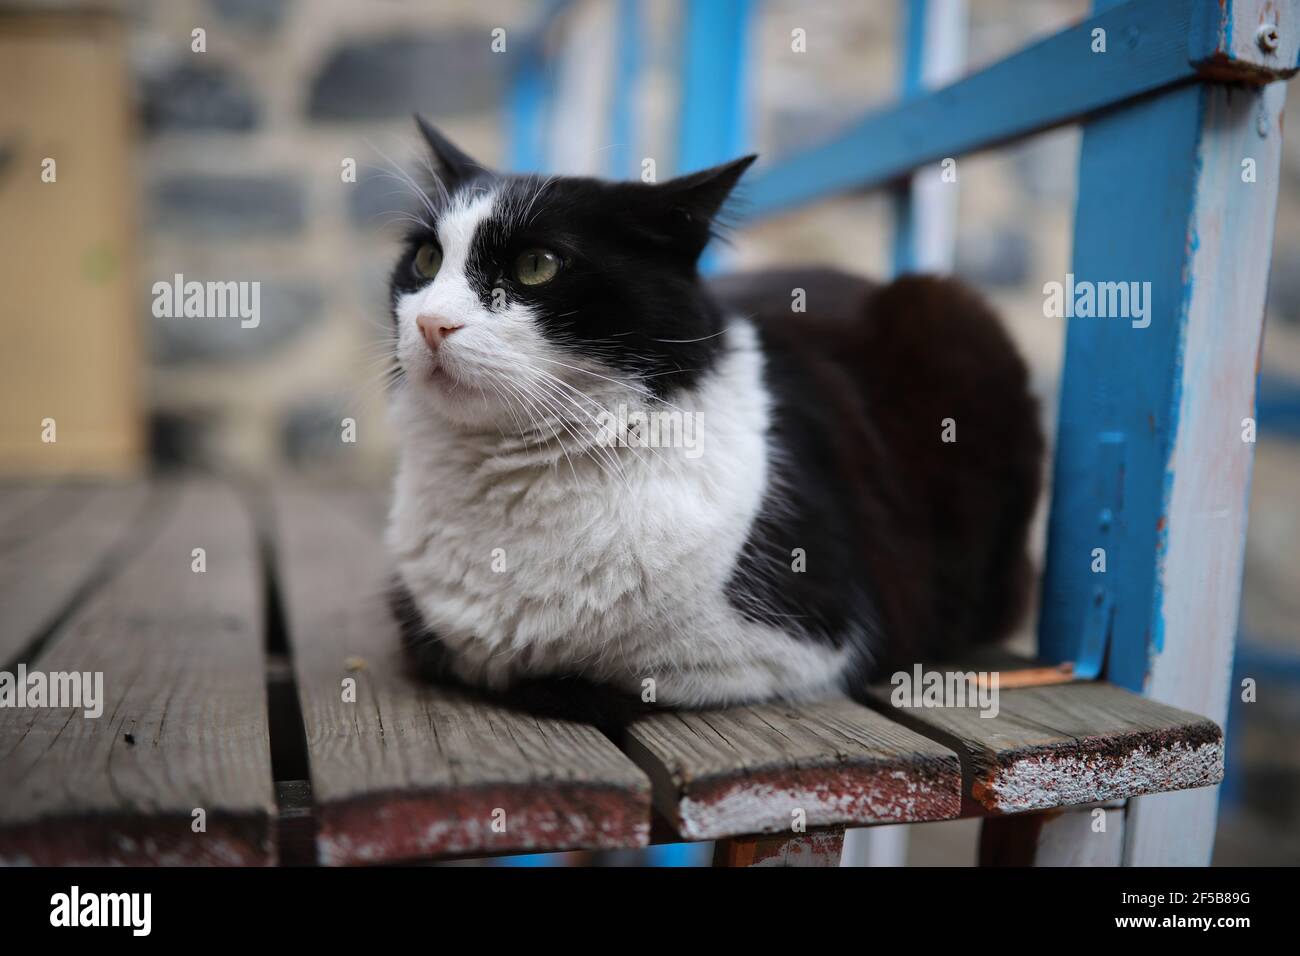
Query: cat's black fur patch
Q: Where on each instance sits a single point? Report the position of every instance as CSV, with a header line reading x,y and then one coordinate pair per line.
x,y
921,539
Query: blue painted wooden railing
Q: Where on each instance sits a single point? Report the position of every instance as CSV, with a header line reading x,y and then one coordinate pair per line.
x,y
1177,185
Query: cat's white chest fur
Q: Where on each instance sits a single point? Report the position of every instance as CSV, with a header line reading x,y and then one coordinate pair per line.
x,y
612,565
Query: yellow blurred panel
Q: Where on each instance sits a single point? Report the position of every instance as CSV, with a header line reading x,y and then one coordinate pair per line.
x,y
70,345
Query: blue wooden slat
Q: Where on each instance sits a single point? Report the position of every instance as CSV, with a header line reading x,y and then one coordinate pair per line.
x,y
1278,407
529,93
527,110
913,56
712,112
1134,213
915,13
1151,44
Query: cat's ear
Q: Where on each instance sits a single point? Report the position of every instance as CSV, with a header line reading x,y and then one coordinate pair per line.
x,y
454,166
683,212
701,195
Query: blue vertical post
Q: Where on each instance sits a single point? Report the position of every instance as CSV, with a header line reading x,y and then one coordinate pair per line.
x,y
933,50
527,109
529,94
1120,390
913,55
713,120
712,109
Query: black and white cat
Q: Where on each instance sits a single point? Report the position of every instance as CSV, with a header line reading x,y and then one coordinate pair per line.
x,y
822,526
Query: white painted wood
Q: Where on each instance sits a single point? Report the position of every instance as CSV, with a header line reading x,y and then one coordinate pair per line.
x,y
934,202
1210,463
875,846
1082,836
579,134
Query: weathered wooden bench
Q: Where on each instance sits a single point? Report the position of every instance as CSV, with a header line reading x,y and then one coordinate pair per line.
x,y
256,710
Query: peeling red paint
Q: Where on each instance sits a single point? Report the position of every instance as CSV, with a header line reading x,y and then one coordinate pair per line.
x,y
386,829
140,841
764,802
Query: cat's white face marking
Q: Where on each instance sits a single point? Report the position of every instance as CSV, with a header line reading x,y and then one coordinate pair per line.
x,y
496,350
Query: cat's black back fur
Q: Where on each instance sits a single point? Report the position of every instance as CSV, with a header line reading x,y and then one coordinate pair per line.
x,y
924,537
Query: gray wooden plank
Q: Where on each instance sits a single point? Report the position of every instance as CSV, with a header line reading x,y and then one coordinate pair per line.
x,y
745,770
1068,744
31,511
184,714
16,499
55,542
409,770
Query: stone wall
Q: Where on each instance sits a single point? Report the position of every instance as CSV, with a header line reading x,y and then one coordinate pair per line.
x,y
241,177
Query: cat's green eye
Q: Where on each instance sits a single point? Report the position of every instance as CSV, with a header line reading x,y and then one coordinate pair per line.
x,y
428,259
537,266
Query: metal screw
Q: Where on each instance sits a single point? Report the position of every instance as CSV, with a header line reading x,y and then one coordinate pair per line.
x,y
1267,37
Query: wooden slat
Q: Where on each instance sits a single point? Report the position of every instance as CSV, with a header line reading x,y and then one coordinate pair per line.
x,y
17,499
410,770
183,726
748,770
1068,744
53,541
1184,655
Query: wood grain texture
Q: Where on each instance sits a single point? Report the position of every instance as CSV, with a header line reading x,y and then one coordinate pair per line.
x,y
1069,744
54,540
411,770
183,725
16,499
748,770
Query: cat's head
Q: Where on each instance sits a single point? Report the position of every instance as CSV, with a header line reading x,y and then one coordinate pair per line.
x,y
527,292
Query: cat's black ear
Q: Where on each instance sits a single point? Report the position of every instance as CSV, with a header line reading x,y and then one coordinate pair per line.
x,y
455,166
683,212
702,194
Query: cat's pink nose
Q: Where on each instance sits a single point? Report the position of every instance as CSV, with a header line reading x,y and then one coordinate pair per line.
x,y
434,329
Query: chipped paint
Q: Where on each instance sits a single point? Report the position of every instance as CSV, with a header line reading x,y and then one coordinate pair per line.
x,y
1044,781
143,841
763,803
461,823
